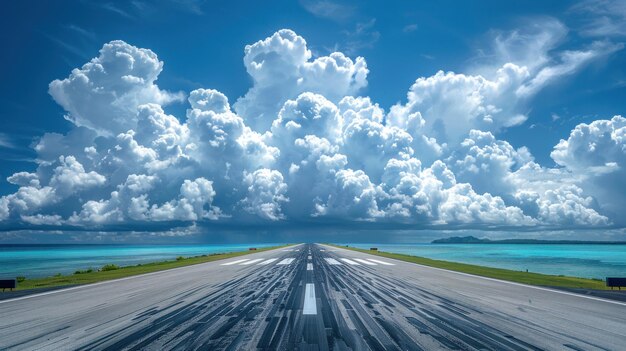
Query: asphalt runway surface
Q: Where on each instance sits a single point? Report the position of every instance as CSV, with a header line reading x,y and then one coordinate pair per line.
x,y
310,297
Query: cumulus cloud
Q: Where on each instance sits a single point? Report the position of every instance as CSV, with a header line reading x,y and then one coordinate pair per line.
x,y
281,68
447,106
302,145
597,153
266,194
104,94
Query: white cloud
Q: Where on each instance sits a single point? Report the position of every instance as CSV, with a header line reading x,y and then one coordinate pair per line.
x,y
24,179
596,152
40,219
529,45
70,176
602,18
302,146
6,142
309,114
410,28
335,11
599,144
104,94
570,61
266,194
4,208
447,106
281,68
487,163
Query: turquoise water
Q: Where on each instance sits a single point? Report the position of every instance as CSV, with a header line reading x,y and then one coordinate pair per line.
x,y
587,261
45,260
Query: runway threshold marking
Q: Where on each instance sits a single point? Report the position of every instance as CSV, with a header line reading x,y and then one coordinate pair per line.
x,y
268,261
365,262
286,261
309,266
310,306
234,262
252,261
332,261
381,262
106,282
620,303
350,262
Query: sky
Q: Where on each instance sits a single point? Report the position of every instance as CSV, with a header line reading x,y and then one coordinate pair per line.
x,y
181,117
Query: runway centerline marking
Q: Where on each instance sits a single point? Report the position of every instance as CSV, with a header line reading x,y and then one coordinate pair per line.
x,y
381,262
252,261
332,261
310,257
286,261
365,262
234,262
268,261
350,262
310,306
309,266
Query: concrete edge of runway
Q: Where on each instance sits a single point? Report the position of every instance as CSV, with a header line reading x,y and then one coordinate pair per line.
x,y
611,296
26,294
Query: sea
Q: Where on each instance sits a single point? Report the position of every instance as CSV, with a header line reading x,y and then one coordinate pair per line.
x,y
579,260
34,261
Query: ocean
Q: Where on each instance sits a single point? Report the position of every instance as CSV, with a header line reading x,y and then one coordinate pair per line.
x,y
578,260
588,261
34,261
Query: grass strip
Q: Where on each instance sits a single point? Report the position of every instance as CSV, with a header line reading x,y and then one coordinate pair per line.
x,y
111,271
497,273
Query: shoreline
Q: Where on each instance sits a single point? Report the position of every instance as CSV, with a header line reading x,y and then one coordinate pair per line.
x,y
530,278
37,285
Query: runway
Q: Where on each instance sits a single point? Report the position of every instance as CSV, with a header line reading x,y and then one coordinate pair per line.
x,y
310,297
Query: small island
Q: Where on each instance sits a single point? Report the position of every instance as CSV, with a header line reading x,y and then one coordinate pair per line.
x,y
474,240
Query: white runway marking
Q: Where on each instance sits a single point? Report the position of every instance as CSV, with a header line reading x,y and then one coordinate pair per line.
x,y
322,250
268,261
381,262
365,262
286,261
234,262
252,261
350,262
309,266
332,261
310,306
310,257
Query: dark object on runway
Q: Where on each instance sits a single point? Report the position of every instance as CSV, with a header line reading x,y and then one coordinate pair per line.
x,y
616,282
8,284
252,249
373,249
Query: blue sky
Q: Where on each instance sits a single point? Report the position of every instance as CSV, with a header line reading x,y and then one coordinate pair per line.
x,y
568,63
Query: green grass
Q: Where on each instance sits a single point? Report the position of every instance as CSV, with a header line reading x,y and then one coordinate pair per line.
x,y
111,271
497,273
